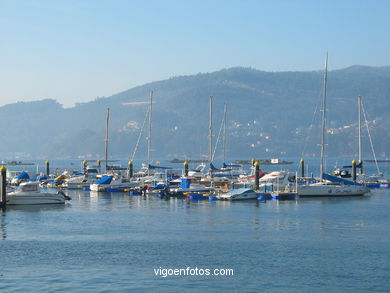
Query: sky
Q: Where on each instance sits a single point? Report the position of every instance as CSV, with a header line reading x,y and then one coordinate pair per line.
x,y
74,51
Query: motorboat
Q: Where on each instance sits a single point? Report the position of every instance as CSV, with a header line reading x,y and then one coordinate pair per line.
x,y
110,183
193,188
29,193
81,181
19,178
238,194
277,180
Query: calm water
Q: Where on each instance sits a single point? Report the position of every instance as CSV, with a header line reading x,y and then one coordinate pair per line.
x,y
113,242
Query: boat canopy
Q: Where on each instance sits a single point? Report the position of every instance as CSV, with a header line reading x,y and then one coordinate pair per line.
x,y
23,176
104,180
338,179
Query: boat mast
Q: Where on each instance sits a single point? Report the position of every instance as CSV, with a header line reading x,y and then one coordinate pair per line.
x,y
211,129
324,110
106,140
224,132
150,130
360,129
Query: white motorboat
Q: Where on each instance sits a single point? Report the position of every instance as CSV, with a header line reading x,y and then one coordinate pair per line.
x,y
239,194
193,188
277,180
19,178
29,193
80,181
110,183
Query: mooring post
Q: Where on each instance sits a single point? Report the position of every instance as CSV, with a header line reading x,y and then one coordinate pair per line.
x,y
47,167
185,168
84,165
130,164
3,187
302,168
257,174
354,170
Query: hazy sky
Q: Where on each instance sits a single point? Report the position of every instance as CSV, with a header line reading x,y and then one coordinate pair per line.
x,y
76,50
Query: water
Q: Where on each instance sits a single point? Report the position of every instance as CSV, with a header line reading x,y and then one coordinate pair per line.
x,y
113,242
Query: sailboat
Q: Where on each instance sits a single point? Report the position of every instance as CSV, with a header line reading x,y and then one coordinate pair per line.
x,y
329,186
373,180
111,181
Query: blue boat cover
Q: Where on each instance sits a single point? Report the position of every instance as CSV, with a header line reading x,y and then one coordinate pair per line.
x,y
338,179
23,175
214,169
104,180
91,171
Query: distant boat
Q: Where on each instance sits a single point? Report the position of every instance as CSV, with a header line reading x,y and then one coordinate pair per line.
x,y
265,162
176,161
28,193
17,163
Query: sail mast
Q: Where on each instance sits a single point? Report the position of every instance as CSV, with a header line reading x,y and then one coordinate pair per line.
x,y
211,128
224,133
150,130
106,140
360,129
324,110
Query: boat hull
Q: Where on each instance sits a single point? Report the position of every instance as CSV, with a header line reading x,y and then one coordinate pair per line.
x,y
236,195
325,190
35,199
113,187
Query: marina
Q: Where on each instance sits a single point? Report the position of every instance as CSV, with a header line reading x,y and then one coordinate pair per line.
x,y
112,242
195,146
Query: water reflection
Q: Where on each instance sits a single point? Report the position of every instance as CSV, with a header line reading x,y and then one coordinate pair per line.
x,y
3,230
38,207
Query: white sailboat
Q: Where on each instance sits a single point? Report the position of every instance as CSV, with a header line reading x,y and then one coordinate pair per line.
x,y
111,181
329,186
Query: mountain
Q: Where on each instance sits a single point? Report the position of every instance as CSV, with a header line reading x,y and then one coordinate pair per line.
x,y
269,114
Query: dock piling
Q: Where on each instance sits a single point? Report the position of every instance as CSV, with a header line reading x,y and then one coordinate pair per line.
x,y
257,174
3,187
130,164
185,168
354,170
47,167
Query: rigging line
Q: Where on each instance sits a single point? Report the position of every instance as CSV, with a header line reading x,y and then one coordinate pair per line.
x,y
369,136
305,143
217,142
140,134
